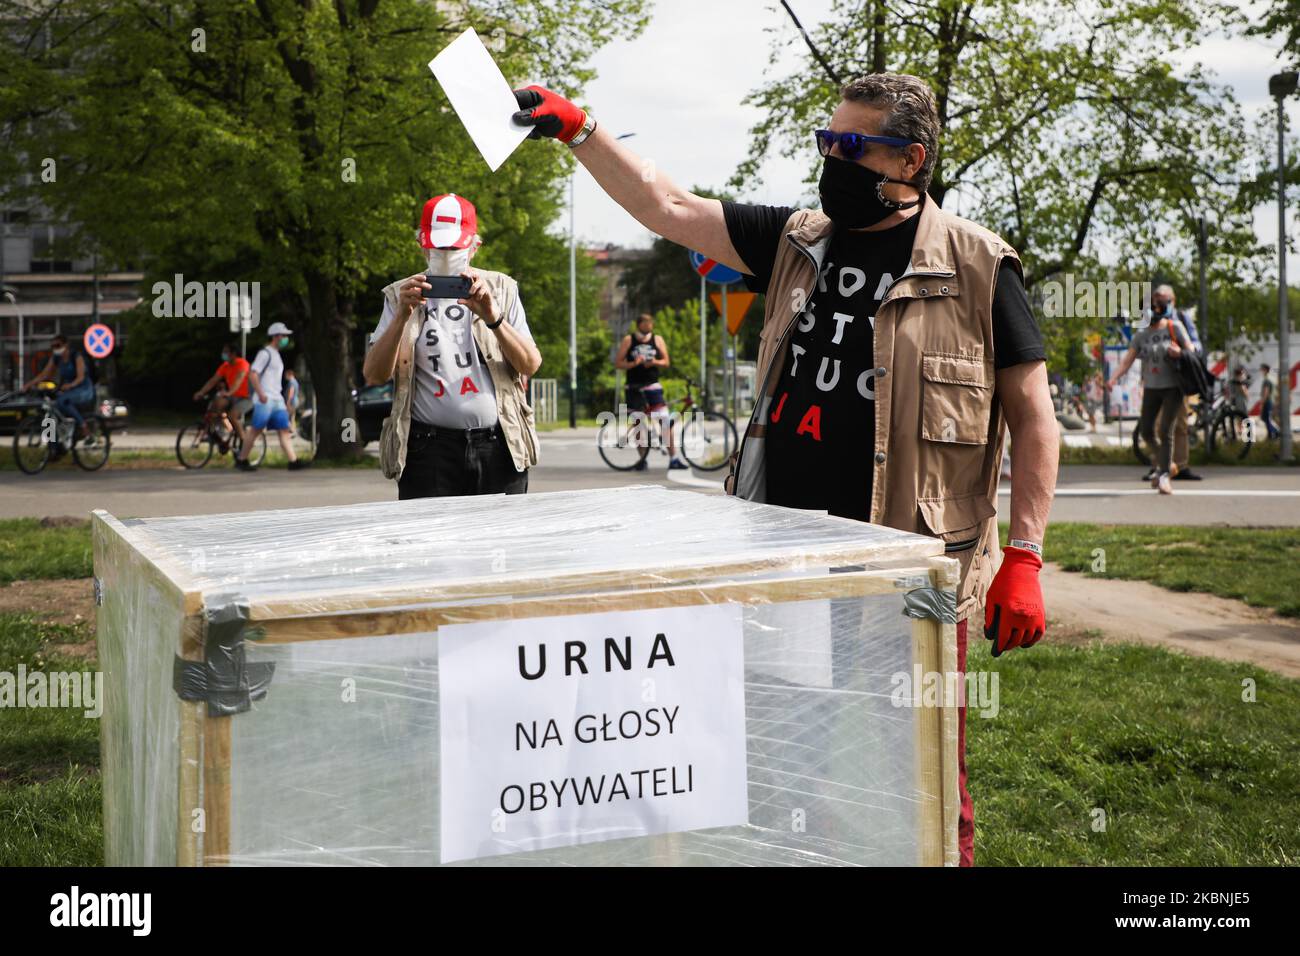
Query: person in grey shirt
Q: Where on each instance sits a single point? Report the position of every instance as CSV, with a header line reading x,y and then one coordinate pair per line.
x,y
1159,345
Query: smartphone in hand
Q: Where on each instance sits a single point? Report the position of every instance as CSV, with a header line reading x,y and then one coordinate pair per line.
x,y
446,287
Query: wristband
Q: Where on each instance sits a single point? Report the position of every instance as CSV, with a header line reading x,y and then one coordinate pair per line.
x,y
1026,545
588,127
493,325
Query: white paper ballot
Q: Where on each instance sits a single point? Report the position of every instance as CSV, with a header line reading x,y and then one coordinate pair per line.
x,y
480,96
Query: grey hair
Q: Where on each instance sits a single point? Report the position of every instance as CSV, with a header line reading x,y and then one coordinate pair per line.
x,y
910,109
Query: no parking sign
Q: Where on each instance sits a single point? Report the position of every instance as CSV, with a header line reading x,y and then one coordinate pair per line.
x,y
98,341
713,270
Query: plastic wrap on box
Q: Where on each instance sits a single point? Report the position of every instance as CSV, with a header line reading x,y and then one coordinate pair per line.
x,y
278,685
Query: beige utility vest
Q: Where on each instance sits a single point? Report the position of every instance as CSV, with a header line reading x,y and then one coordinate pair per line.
x,y
514,414
939,428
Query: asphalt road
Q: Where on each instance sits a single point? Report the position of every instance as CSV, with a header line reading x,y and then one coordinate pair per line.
x,y
1104,493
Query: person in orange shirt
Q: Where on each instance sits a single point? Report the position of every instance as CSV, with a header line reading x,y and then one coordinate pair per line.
x,y
233,397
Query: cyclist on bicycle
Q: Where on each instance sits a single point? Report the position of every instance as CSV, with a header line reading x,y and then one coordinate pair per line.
x,y
76,387
642,354
231,381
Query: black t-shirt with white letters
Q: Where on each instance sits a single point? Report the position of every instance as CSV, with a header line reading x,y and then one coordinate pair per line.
x,y
821,425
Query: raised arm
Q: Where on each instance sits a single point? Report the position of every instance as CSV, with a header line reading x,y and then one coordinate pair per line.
x,y
648,194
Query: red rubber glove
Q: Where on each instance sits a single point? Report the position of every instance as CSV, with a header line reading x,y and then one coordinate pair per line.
x,y
548,114
1013,610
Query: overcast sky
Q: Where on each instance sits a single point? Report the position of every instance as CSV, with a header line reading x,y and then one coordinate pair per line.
x,y
679,87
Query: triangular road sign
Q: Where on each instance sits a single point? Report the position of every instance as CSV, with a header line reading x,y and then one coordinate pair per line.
x,y
738,304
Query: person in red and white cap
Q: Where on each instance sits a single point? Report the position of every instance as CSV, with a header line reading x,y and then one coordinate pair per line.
x,y
461,423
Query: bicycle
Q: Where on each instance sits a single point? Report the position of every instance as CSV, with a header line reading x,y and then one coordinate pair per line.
x,y
1220,423
195,443
49,434
707,438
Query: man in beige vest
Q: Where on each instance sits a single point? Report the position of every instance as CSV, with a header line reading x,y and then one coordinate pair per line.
x,y
461,423
896,349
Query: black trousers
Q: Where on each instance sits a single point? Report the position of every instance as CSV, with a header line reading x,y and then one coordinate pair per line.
x,y
445,463
1165,404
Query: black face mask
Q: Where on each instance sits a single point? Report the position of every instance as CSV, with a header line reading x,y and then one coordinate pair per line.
x,y
853,195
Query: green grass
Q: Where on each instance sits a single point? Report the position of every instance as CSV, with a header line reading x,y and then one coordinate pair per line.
x,y
1260,566
1262,454
562,424
1187,773
50,798
165,458
30,550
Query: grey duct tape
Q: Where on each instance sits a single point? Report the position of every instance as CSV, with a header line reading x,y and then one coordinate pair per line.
x,y
224,679
937,605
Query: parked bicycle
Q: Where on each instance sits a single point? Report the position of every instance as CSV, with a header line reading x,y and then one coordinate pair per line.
x,y
196,444
707,438
48,434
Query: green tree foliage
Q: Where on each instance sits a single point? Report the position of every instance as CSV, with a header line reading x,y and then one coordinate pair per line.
x,y
290,142
1065,127
1282,19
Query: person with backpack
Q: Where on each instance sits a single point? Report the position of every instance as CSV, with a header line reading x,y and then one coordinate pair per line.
x,y
76,380
269,412
1160,345
292,397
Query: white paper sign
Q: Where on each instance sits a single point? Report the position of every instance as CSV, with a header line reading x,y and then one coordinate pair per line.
x,y
480,96
576,729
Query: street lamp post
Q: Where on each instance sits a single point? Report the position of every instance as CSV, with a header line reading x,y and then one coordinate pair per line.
x,y
573,310
573,302
1280,86
21,357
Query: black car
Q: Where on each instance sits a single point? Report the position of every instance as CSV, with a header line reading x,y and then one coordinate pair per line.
x,y
114,413
374,403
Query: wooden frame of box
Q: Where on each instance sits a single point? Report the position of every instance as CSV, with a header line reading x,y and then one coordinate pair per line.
x,y
135,578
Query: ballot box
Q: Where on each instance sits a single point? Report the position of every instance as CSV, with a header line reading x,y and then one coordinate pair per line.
x,y
624,676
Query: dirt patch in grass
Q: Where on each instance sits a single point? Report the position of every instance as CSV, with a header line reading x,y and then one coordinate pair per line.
x,y
67,601
1085,608
42,773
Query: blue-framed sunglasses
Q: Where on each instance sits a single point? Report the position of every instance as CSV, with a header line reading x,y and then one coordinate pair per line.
x,y
852,145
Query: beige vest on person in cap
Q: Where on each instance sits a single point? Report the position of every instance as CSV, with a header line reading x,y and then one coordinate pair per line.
x,y
939,428
514,414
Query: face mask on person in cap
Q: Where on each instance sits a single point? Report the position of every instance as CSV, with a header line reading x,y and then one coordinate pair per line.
x,y
447,262
284,341
853,195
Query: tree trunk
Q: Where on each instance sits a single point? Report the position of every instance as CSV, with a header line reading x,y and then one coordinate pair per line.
x,y
879,60
327,344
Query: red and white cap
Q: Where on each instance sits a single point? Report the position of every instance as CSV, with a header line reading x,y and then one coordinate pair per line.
x,y
448,222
